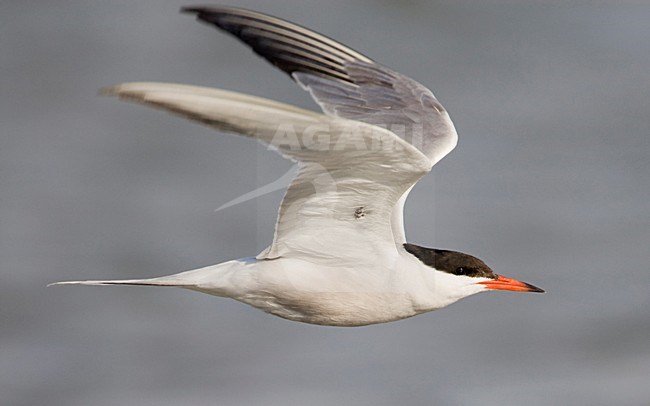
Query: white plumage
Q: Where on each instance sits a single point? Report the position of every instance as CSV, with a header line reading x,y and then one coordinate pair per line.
x,y
338,256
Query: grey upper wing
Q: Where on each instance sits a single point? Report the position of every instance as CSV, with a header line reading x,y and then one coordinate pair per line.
x,y
343,82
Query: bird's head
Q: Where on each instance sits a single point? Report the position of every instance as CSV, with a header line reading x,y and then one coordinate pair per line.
x,y
460,275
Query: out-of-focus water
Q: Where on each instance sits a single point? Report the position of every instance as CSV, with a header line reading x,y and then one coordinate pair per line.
x,y
549,184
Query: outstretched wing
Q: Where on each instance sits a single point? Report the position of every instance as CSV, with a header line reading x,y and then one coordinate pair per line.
x,y
344,82
351,173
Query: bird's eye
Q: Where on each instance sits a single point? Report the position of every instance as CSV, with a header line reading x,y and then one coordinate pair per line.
x,y
462,271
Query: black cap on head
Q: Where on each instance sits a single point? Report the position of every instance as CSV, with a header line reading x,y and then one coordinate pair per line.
x,y
452,262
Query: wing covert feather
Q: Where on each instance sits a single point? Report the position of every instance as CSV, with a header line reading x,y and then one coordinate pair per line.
x,y
351,175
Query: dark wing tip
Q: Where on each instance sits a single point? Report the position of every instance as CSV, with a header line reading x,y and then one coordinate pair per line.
x,y
191,9
210,14
214,14
288,46
194,9
204,9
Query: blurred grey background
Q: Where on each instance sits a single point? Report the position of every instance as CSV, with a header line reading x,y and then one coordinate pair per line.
x,y
549,184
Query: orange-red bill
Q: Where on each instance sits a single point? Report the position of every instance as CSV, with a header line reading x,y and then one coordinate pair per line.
x,y
505,283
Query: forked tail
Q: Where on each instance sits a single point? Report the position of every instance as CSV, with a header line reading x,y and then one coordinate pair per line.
x,y
215,279
162,281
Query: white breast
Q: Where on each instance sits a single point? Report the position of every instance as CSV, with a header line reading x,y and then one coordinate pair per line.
x,y
324,294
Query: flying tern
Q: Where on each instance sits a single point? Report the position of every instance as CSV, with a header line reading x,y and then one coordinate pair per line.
x,y
339,255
